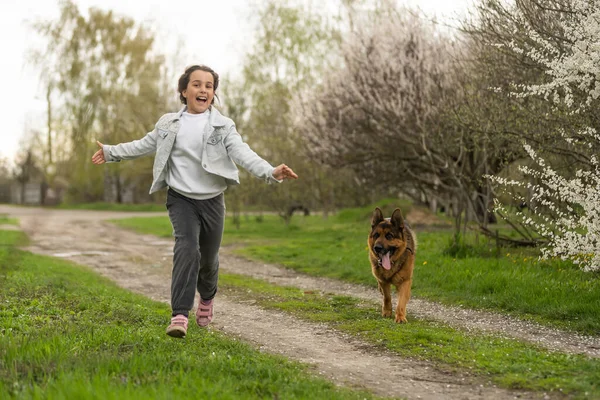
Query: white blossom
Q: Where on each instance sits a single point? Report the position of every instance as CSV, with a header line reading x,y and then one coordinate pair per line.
x,y
577,67
574,228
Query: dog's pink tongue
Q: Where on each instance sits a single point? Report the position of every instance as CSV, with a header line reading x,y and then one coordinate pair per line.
x,y
385,261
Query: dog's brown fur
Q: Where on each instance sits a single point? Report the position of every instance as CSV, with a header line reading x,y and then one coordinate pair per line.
x,y
393,235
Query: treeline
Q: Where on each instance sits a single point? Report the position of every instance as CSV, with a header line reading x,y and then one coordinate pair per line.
x,y
371,100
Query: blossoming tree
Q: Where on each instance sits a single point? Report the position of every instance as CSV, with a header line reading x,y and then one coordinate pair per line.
x,y
565,204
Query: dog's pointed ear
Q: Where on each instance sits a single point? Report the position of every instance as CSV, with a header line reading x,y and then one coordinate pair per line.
x,y
377,217
397,219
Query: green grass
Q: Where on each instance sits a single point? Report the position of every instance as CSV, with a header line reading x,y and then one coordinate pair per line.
x,y
508,363
387,206
10,239
5,220
512,281
66,332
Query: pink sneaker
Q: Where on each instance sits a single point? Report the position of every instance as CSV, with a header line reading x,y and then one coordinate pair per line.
x,y
204,314
178,327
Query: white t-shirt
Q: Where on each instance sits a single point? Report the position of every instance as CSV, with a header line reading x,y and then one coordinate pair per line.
x,y
185,173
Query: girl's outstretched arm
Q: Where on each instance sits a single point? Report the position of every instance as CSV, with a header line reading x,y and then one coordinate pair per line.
x,y
282,172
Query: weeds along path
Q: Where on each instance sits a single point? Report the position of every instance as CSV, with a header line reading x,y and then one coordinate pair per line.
x,y
142,263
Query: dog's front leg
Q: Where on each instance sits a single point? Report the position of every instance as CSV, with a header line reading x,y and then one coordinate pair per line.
x,y
403,296
386,307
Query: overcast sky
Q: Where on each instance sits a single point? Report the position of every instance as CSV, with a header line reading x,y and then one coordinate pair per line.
x,y
225,23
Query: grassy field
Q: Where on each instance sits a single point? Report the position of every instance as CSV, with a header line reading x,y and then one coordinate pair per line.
x,y
483,276
67,333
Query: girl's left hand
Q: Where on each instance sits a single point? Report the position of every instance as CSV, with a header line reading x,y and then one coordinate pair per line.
x,y
282,172
98,157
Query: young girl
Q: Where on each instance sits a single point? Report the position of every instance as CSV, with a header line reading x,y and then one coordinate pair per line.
x,y
196,149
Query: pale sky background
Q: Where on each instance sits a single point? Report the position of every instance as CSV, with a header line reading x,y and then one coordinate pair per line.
x,y
214,32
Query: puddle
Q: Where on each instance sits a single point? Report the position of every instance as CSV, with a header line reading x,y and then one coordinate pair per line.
x,y
80,253
155,242
9,227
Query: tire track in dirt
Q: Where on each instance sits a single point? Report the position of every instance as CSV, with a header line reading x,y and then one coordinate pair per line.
x,y
142,263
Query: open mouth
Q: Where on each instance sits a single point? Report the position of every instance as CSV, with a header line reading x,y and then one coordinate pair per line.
x,y
384,254
385,262
202,99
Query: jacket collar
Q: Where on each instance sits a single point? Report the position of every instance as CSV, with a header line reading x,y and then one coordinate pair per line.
x,y
216,119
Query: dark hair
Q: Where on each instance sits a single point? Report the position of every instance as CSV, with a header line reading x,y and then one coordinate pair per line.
x,y
184,80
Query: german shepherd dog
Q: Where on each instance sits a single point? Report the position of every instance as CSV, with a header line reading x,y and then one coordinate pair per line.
x,y
392,247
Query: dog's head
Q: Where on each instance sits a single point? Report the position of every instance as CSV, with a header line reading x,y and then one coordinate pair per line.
x,y
387,241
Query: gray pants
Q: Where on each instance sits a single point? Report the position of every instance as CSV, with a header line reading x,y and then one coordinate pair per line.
x,y
198,230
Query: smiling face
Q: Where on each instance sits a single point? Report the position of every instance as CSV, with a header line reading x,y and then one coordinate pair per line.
x,y
200,92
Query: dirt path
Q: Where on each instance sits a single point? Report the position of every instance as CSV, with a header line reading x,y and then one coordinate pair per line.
x,y
142,263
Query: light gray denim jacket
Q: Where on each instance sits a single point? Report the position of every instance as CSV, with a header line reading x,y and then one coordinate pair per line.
x,y
223,148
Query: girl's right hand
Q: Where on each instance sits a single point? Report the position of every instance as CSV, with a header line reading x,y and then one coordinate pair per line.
x,y
282,172
98,157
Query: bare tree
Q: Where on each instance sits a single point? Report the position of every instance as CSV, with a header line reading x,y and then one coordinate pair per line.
x,y
385,113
